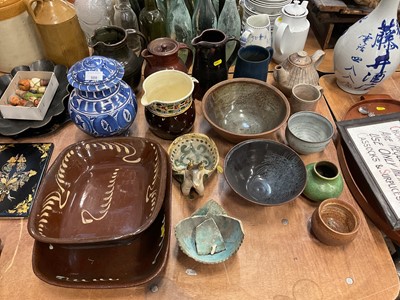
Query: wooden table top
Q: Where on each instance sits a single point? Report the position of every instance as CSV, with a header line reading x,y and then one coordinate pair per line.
x,y
339,101
279,258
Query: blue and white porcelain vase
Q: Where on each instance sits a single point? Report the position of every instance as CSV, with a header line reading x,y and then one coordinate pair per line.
x,y
101,104
369,51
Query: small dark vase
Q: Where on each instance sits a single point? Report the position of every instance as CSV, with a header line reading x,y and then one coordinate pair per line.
x,y
111,41
210,64
162,54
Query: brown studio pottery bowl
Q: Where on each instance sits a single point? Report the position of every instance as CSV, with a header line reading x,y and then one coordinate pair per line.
x,y
243,108
265,172
335,222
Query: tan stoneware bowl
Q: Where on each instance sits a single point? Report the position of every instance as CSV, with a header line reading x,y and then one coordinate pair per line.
x,y
243,108
335,222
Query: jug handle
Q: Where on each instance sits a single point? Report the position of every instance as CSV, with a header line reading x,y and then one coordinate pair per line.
x,y
29,4
278,37
189,58
317,57
143,39
233,56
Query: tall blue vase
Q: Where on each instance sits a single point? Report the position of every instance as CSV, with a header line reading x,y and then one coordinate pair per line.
x,y
369,51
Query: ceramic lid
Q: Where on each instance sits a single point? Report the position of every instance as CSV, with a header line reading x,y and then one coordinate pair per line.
x,y
11,8
95,73
300,58
163,47
295,9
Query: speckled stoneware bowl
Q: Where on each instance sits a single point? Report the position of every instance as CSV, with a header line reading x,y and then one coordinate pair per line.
x,y
335,222
243,108
209,236
265,172
308,132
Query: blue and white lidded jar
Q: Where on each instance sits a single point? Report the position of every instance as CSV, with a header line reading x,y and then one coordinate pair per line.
x,y
101,104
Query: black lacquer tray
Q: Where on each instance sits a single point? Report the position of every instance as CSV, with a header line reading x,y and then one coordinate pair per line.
x,y
22,166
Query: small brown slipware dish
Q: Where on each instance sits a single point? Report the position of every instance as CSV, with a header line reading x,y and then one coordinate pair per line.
x,y
265,172
335,222
372,105
244,108
101,218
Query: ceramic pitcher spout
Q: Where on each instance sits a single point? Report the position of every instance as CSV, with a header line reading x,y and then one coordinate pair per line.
x,y
154,96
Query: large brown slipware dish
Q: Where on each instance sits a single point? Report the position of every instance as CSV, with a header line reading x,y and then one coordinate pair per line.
x,y
102,215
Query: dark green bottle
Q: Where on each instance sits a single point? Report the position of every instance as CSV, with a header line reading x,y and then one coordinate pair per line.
x,y
152,21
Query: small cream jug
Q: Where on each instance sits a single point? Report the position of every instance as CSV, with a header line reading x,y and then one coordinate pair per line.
x,y
168,104
291,30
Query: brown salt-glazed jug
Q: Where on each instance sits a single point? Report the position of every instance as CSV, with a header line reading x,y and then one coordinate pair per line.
x,y
210,64
63,39
299,67
163,54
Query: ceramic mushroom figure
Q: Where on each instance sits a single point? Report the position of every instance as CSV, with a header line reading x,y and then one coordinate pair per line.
x,y
194,157
193,177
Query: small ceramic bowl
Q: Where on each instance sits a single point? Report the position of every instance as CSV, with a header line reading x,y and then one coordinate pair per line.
x,y
308,132
209,236
243,108
194,157
265,172
335,222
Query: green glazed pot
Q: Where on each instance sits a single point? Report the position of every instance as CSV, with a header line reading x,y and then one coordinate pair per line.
x,y
323,181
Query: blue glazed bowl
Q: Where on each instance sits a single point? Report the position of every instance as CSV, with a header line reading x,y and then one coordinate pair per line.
x,y
101,104
265,172
209,235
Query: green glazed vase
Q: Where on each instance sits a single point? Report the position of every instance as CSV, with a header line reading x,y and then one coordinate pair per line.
x,y
323,181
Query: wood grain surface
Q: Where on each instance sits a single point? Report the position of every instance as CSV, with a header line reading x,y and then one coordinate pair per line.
x,y
280,259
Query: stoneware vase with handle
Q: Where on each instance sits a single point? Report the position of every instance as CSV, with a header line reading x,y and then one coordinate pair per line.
x,y
368,52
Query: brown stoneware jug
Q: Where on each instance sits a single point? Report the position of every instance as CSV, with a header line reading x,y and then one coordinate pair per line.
x,y
111,41
63,39
163,54
210,64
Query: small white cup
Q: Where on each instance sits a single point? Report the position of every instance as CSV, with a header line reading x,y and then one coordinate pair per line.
x,y
257,31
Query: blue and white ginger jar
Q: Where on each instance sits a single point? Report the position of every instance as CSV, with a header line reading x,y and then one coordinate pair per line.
x,y
101,104
369,51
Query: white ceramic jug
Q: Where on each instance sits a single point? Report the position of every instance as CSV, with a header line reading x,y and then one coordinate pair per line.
x,y
290,31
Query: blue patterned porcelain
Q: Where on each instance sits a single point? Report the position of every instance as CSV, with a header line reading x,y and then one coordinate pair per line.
x,y
369,51
101,104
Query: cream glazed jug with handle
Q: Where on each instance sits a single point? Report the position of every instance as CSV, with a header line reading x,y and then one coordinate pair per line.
x,y
291,30
299,67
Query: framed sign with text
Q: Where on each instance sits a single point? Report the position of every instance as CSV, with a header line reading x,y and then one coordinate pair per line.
x,y
374,144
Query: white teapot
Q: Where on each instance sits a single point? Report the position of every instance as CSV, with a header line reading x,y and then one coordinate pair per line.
x,y
290,31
